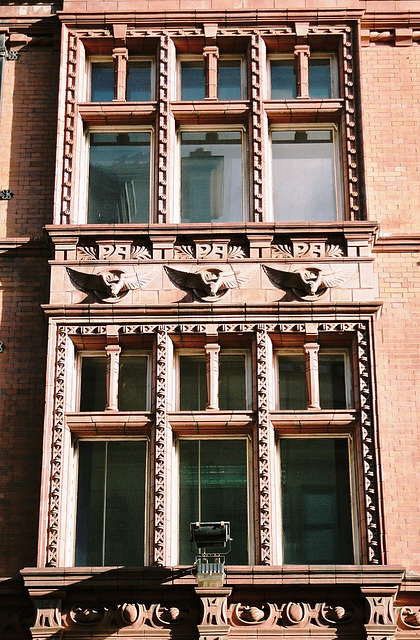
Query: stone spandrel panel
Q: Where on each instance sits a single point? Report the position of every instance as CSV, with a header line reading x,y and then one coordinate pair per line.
x,y
232,266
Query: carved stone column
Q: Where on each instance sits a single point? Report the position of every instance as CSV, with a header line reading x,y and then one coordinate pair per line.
x,y
213,625
47,619
212,375
120,56
112,374
381,623
302,53
311,350
211,54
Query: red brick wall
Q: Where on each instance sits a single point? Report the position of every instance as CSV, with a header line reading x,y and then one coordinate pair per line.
x,y
28,133
391,113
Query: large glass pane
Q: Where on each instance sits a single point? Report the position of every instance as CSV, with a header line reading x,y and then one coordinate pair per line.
x,y
119,177
213,487
111,503
139,81
211,176
308,154
316,507
332,381
193,80
93,384
283,79
319,78
102,82
192,383
132,384
229,80
292,382
232,382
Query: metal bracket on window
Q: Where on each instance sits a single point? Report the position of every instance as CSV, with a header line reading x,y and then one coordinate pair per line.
x,y
12,55
1,346
6,194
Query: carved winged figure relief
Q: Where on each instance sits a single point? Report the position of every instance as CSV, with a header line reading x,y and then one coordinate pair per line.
x,y
309,283
211,283
112,284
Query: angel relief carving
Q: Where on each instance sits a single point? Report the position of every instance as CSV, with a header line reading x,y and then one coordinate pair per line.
x,y
211,283
111,285
310,282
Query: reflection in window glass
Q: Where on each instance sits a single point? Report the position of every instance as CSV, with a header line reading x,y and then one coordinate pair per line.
x,y
316,507
213,487
229,80
139,81
119,177
232,382
102,82
292,383
111,503
332,381
192,383
93,384
211,176
319,78
283,79
308,154
132,383
193,80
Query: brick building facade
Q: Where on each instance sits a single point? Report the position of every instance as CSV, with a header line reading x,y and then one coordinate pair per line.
x,y
209,313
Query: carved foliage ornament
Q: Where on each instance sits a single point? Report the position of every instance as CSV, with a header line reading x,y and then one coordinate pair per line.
x,y
127,614
118,251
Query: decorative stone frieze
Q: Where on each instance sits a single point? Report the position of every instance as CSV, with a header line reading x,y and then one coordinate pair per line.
x,y
115,252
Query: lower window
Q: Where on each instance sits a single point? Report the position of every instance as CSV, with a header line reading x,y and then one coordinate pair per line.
x,y
316,501
310,153
111,503
213,479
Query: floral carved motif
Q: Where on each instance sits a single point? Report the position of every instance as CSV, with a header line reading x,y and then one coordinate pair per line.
x,y
161,446
129,614
209,251
56,449
368,446
263,436
309,250
163,119
118,251
408,618
69,125
292,614
257,129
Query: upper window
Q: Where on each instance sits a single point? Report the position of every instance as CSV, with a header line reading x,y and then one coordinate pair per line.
x,y
233,392
194,80
333,380
312,153
119,177
212,183
316,501
137,79
322,77
213,486
111,503
133,382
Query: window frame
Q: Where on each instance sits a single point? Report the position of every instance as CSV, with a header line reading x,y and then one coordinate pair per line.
x,y
338,169
299,351
356,534
244,164
243,68
149,364
175,550
74,480
84,190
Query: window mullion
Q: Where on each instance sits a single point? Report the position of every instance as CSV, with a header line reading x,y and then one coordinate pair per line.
x,y
112,374
212,375
311,350
302,54
120,56
211,54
